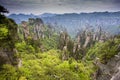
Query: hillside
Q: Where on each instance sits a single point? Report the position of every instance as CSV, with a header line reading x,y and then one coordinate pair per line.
x,y
8,37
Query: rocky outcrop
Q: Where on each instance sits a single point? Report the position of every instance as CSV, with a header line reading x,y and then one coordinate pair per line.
x,y
7,43
89,36
26,32
116,76
38,28
63,44
8,57
33,28
109,71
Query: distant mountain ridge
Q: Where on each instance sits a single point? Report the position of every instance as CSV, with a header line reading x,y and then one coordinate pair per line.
x,y
24,17
73,21
20,17
48,15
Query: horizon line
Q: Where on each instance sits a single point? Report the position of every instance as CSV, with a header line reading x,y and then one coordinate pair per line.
x,y
62,13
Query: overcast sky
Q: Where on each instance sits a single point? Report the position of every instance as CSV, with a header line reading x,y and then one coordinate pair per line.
x,y
60,6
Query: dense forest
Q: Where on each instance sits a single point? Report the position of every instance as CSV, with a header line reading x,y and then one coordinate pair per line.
x,y
34,50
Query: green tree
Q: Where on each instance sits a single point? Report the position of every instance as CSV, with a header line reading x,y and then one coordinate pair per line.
x,y
3,31
3,10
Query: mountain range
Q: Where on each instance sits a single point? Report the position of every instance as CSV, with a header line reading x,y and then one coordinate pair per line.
x,y
73,22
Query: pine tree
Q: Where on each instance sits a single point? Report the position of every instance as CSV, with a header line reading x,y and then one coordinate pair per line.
x,y
3,10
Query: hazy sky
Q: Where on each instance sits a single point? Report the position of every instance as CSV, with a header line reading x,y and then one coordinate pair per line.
x,y
60,6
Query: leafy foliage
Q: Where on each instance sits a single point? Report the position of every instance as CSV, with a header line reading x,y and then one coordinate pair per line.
x,y
24,48
8,72
104,51
48,66
8,30
3,32
50,43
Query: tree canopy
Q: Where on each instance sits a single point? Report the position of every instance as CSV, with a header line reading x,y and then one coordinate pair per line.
x,y
3,10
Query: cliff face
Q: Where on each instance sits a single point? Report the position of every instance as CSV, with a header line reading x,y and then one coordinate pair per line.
x,y
109,71
33,28
8,38
88,37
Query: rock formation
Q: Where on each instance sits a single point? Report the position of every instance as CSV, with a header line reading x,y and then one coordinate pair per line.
x,y
88,37
25,29
33,28
109,71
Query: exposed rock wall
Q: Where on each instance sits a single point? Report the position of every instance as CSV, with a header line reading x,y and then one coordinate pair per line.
x,y
33,28
88,37
109,71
